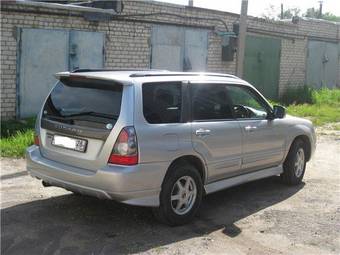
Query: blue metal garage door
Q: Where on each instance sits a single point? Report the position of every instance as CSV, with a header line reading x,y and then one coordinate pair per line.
x,y
322,64
44,52
178,48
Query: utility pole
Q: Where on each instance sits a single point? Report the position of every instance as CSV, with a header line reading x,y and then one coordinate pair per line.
x,y
320,10
281,10
242,38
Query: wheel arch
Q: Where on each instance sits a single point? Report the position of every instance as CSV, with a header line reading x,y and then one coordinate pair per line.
x,y
193,160
307,143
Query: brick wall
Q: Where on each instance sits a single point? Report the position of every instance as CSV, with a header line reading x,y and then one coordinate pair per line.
x,y
128,42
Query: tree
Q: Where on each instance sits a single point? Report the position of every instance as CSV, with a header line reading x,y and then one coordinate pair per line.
x,y
311,13
314,13
290,13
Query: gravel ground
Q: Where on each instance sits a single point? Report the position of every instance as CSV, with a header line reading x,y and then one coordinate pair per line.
x,y
262,217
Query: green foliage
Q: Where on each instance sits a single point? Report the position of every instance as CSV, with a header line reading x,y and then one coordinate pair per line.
x,y
297,95
290,13
315,13
16,136
320,106
10,127
15,146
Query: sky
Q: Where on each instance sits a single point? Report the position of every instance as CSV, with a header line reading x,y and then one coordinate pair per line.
x,y
258,7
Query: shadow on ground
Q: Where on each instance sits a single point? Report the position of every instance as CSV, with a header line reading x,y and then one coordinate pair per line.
x,y
72,224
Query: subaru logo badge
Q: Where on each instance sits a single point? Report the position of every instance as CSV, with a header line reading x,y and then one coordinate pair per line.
x,y
109,126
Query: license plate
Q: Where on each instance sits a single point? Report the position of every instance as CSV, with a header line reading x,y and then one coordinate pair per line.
x,y
69,143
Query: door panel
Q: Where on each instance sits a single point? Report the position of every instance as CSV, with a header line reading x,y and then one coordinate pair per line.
x,y
42,54
262,64
167,51
322,63
86,49
195,51
221,148
178,48
215,134
263,143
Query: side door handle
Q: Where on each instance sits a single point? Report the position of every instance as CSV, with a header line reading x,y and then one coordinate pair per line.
x,y
250,128
202,132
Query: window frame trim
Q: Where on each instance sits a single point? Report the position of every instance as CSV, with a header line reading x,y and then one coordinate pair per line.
x,y
191,115
184,109
257,94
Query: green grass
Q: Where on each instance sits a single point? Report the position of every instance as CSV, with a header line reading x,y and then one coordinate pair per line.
x,y
16,136
320,106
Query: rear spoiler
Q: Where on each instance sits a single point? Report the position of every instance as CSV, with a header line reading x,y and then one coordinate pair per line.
x,y
83,77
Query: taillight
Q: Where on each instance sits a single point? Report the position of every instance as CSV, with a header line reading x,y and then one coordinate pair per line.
x,y
125,150
36,140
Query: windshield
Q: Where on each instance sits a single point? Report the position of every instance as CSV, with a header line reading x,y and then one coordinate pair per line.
x,y
72,100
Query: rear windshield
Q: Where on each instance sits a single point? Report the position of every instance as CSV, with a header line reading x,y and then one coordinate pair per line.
x,y
76,99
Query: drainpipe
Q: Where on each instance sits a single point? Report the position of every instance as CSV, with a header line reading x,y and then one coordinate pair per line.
x,y
242,39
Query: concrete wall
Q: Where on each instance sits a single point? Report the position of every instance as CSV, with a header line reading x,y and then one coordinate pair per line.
x,y
128,41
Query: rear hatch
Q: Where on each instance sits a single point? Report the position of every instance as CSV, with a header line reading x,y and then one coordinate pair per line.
x,y
78,121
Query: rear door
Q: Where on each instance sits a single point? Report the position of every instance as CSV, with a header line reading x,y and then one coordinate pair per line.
x,y
80,121
215,134
263,140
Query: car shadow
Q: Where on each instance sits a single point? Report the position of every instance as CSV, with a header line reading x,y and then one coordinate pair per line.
x,y
72,224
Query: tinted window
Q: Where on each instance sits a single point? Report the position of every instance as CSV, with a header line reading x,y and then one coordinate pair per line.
x,y
246,103
69,100
210,102
162,102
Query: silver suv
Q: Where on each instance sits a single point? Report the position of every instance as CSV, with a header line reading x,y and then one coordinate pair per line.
x,y
163,139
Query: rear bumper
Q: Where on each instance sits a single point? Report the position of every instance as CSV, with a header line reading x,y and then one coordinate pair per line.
x,y
135,185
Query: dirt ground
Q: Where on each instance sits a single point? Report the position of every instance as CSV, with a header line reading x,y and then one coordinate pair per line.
x,y
262,217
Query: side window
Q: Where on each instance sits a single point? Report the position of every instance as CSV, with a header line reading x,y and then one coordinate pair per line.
x,y
246,104
210,102
162,102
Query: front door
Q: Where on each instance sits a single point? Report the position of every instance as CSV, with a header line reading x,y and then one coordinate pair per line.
x,y
263,140
215,134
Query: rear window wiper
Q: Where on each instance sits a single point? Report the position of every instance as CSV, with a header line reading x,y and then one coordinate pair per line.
x,y
96,114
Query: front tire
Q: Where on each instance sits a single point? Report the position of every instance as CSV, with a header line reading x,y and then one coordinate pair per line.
x,y
295,164
181,195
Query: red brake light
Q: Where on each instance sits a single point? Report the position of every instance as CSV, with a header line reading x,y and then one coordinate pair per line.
x,y
36,140
125,150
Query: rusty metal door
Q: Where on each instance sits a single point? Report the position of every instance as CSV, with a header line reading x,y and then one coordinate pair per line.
x,y
177,48
262,64
44,52
322,64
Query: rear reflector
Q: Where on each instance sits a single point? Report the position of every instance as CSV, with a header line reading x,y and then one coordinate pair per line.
x,y
36,140
125,150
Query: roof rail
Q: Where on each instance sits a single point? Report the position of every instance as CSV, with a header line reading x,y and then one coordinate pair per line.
x,y
115,70
183,74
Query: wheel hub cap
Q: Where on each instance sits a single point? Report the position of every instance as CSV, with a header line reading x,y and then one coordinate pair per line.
x,y
299,162
183,195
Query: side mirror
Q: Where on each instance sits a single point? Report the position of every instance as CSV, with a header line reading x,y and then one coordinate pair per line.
x,y
279,112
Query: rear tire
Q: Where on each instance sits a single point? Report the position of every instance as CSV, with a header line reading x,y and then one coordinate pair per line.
x,y
181,195
295,164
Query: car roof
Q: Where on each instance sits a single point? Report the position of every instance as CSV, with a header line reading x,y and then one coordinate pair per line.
x,y
127,76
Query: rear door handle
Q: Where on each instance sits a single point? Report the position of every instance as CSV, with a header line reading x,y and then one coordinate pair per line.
x,y
202,132
250,128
